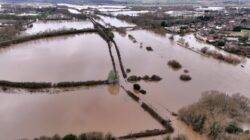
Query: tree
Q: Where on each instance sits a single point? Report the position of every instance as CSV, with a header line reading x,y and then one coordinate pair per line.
x,y
163,23
70,137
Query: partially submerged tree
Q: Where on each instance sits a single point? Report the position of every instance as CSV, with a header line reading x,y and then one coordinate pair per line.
x,y
113,77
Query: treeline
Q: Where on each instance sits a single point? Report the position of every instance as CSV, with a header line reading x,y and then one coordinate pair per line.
x,y
9,32
44,85
219,56
218,115
44,35
145,20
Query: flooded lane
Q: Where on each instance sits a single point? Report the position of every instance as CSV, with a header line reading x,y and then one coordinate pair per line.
x,y
70,58
94,109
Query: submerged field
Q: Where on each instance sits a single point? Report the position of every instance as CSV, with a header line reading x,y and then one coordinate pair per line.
x,y
107,108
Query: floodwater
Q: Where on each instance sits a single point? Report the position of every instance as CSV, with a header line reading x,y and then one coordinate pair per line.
x,y
171,93
43,26
207,73
129,13
84,110
86,57
70,58
115,22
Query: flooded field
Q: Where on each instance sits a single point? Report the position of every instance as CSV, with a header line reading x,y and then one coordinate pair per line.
x,y
68,58
115,22
106,108
129,13
207,73
42,26
84,110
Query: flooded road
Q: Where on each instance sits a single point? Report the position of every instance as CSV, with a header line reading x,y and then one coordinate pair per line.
x,y
84,110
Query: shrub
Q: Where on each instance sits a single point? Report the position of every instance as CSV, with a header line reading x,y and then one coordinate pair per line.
x,y
220,43
4,88
215,130
149,48
185,77
137,87
171,37
174,64
155,78
143,91
233,129
134,78
237,28
146,77
128,70
56,137
163,23
186,71
243,39
113,77
132,38
70,137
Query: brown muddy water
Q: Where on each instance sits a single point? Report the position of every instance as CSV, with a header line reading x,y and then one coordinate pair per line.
x,y
70,58
86,57
207,73
84,110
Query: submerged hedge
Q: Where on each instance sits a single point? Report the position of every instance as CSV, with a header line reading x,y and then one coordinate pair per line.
x,y
43,85
44,35
25,85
